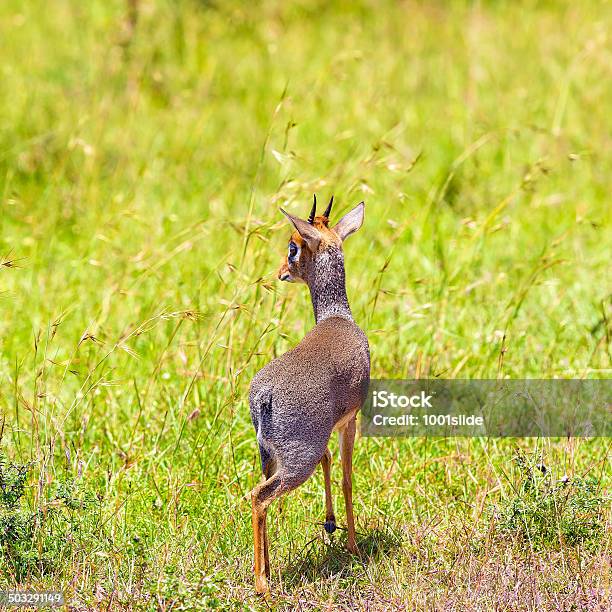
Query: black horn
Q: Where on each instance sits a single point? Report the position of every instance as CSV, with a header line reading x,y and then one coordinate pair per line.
x,y
313,212
328,209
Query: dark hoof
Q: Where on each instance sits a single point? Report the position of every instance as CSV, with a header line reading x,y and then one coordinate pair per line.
x,y
330,526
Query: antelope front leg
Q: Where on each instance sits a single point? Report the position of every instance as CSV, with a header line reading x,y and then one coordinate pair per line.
x,y
347,440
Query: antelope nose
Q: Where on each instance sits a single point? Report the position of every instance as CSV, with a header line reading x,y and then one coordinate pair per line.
x,y
284,276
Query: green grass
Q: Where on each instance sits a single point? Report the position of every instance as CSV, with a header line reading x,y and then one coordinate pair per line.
x,y
141,169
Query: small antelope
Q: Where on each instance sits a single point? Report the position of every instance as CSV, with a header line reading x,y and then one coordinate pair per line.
x,y
298,399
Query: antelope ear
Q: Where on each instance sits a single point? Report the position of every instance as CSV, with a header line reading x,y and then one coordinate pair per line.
x,y
351,222
309,233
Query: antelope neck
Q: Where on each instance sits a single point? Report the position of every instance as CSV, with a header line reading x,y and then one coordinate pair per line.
x,y
328,286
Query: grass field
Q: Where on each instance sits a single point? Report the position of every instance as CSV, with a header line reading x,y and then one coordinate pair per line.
x,y
144,153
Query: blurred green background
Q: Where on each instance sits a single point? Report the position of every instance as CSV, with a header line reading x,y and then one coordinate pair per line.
x,y
145,147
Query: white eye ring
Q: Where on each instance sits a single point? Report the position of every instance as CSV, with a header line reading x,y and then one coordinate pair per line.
x,y
293,253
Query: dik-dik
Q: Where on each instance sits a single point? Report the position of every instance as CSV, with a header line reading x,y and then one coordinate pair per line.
x,y
298,399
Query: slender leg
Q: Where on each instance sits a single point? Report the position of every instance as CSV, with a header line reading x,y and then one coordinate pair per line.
x,y
266,552
259,519
347,440
261,497
261,584
330,519
267,475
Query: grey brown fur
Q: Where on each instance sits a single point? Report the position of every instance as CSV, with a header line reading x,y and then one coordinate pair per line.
x,y
298,399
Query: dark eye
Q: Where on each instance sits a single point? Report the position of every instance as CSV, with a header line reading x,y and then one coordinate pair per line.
x,y
292,250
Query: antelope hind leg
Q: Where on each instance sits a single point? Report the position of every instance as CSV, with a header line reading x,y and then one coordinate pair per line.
x,y
330,519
